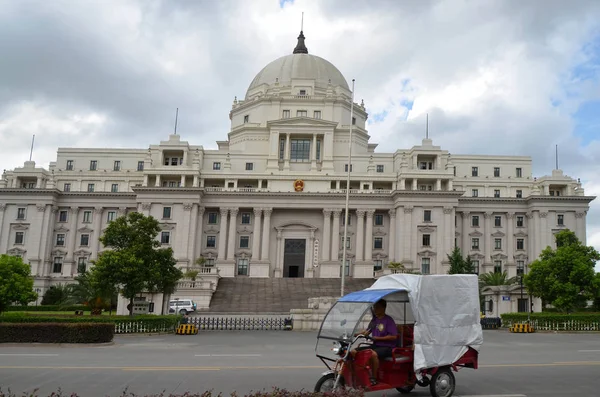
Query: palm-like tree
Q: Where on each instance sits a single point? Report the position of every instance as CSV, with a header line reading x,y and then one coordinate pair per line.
x,y
494,279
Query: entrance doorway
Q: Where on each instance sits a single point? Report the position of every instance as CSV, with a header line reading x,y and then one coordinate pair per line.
x,y
294,256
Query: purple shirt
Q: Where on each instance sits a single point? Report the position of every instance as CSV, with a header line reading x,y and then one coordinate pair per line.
x,y
383,327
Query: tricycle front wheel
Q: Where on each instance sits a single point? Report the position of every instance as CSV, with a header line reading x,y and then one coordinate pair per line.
x,y
326,383
442,383
405,390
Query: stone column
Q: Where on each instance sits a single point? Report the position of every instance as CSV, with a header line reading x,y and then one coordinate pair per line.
x,y
157,182
369,237
414,184
196,181
399,234
190,212
580,231
232,243
71,260
286,154
510,237
182,180
2,209
466,239
256,234
360,235
538,233
335,237
266,235
449,233
97,225
145,183
407,232
313,153
392,239
198,240
279,255
438,184
222,233
545,231
326,246
531,237
487,236
44,235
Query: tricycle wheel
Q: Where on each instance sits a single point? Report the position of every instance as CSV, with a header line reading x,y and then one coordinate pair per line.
x,y
405,390
326,383
442,383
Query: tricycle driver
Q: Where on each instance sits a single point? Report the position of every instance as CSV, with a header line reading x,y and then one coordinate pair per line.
x,y
384,335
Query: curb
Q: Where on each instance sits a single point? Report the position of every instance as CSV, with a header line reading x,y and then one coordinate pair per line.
x,y
57,344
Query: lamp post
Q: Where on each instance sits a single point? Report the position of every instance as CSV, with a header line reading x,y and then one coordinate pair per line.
x,y
344,251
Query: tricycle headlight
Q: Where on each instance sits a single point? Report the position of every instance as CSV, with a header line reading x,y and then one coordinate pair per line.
x,y
336,348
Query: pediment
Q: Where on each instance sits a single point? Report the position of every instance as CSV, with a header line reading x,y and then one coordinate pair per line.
x,y
301,121
61,228
16,251
426,252
499,256
245,229
426,229
167,226
476,233
82,253
210,253
59,252
295,225
85,229
211,230
350,233
379,232
520,234
20,226
379,256
521,257
477,256
456,234
498,234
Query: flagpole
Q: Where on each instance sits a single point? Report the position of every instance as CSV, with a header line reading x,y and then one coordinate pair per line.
x,y
346,216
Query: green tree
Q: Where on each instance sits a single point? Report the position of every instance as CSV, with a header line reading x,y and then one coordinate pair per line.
x,y
495,279
459,265
60,295
135,261
164,274
95,295
16,283
564,277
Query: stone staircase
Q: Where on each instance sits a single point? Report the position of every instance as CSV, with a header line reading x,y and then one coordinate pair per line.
x,y
276,295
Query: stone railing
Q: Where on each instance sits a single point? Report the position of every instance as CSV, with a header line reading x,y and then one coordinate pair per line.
x,y
388,271
208,270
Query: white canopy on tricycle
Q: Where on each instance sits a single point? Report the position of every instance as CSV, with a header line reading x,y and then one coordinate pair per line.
x,y
446,312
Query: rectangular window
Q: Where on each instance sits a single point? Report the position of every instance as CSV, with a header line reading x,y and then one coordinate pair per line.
x,y
474,193
475,221
281,148
117,166
520,268
378,243
246,118
114,188
62,216
353,120
242,267
347,242
211,241
216,166
244,241
165,238
85,240
426,240
520,221
497,266
496,172
245,218
425,266
69,165
20,213
346,168
498,221
475,243
302,92
427,216
474,171
377,265
343,218
560,219
81,265
67,187
476,266
520,244
166,213
318,150
301,113
60,239
497,193
167,161
286,114
19,237
140,166
379,167
210,262
300,150
317,114
498,243
93,165
87,216
378,219
57,265
212,218
519,193
249,166
519,173
90,187
111,216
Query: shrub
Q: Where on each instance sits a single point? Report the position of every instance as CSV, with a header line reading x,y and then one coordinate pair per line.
x,y
56,333
47,308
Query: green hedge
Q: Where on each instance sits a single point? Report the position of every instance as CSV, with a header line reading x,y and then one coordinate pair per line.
x,y
47,308
548,321
122,324
56,333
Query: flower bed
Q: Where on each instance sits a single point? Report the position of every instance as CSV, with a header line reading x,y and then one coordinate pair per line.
x,y
555,321
56,332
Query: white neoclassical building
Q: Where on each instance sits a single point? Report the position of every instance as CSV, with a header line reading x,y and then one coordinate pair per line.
x,y
269,201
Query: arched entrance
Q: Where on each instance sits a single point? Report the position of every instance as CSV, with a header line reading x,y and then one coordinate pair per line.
x,y
295,245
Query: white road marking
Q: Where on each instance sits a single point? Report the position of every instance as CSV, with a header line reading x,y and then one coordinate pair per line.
x,y
494,395
588,351
228,355
29,354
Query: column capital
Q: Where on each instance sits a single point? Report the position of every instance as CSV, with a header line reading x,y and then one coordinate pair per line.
x,y
201,210
487,214
543,214
40,207
3,207
510,215
146,206
122,211
234,211
54,209
580,214
448,210
99,210
529,215
465,214
337,212
370,213
392,213
360,213
267,211
408,209
257,212
188,206
223,211
327,211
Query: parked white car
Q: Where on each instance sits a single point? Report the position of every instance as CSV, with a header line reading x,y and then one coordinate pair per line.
x,y
182,306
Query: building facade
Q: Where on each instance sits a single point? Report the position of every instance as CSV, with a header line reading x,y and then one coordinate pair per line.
x,y
269,202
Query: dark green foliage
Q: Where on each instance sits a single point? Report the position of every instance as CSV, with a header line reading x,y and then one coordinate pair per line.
x,y
59,295
16,283
56,332
459,265
47,308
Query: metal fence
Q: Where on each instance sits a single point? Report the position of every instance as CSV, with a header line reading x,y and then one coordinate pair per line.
x,y
491,322
241,323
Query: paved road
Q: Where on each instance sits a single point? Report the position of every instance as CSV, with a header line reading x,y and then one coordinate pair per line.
x,y
531,365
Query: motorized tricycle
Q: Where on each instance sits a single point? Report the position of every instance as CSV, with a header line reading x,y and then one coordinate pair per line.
x,y
438,332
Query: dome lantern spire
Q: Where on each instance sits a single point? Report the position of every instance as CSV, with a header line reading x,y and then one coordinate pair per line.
x,y
301,47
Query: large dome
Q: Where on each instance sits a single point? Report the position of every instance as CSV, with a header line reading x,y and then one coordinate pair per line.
x,y
299,65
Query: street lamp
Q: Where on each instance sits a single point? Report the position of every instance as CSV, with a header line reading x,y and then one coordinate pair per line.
x,y
344,251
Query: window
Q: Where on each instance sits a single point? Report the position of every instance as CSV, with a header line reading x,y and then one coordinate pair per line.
x,y
317,114
19,237
426,240
353,120
67,187
427,216
378,243
249,166
20,213
81,265
474,171
498,221
246,118
211,241
520,244
245,218
111,216
166,213
166,161
475,221
210,262
475,243
60,239
520,268
498,243
347,268
379,167
520,221
90,187
87,216
244,241
140,166
343,218
496,172
114,188
318,149
286,114
57,265
212,218
165,238
117,166
242,267
497,266
519,193
85,240
62,216
347,242
69,165
93,165
425,266
300,150
346,167
519,173
301,113
497,193
378,219
560,219
476,266
302,92
281,148
377,264
216,166
474,193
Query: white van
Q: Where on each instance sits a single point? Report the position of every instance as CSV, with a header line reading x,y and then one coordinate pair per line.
x,y
182,306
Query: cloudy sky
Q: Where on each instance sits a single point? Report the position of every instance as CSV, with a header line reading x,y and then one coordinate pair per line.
x,y
496,77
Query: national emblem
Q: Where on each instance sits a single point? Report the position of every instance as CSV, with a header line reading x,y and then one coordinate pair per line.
x,y
298,185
